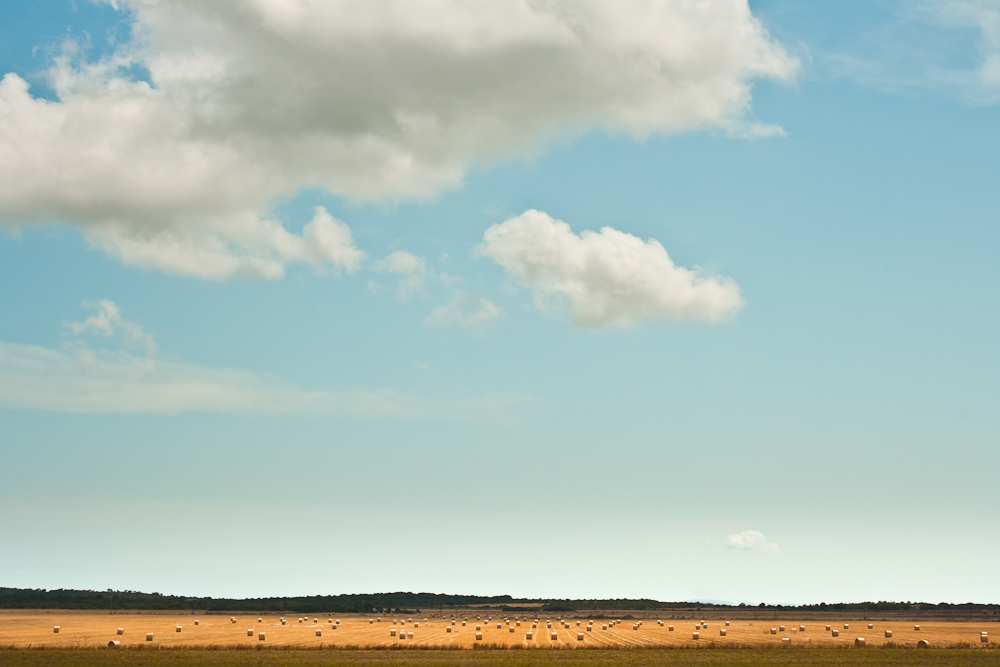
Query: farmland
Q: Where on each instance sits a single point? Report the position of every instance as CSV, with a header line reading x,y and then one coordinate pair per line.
x,y
80,630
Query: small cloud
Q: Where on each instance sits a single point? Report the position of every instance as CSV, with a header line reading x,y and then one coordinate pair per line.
x,y
107,320
752,540
465,310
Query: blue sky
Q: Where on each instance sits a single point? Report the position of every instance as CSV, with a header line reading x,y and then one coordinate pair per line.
x,y
429,383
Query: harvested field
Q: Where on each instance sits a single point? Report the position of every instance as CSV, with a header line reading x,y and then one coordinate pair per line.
x,y
24,629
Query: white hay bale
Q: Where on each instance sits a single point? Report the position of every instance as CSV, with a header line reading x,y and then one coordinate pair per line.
x,y
785,641
518,623
409,635
578,624
828,628
282,622
916,628
859,642
923,643
479,636
529,635
774,631
121,631
249,632
478,627
871,626
888,633
511,628
114,643
984,638
722,632
338,621
498,625
55,629
178,628
261,636
448,629
149,636
847,626
416,625
392,632
694,635
319,632
802,628
329,620
555,636
370,621
463,624
727,624
260,620
233,619
835,632
590,628
604,626
333,627
670,628
781,628
579,636
315,620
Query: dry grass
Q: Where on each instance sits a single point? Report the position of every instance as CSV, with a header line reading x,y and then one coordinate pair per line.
x,y
80,630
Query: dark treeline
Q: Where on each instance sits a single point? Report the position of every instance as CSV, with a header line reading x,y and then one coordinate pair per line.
x,y
23,598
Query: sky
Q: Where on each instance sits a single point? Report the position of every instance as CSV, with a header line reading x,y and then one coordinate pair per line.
x,y
564,299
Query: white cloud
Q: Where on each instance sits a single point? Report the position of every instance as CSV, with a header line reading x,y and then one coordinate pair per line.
x,y
752,540
249,100
80,379
465,310
608,277
107,319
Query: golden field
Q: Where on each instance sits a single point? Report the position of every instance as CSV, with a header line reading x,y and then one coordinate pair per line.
x,y
23,629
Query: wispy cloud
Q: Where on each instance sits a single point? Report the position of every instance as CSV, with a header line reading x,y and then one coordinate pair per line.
x,y
81,379
752,540
465,310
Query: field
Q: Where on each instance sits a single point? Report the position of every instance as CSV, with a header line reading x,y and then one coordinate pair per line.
x,y
27,629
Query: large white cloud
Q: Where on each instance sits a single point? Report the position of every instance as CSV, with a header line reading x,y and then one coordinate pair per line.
x,y
249,100
608,277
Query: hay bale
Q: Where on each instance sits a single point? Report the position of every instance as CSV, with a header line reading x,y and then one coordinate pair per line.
x,y
578,624
498,626
282,622
774,631
888,633
338,621
448,629
518,623
722,632
871,626
781,628
579,636
604,626
859,642
409,635
416,625
249,632
835,632
178,628
233,619
392,632
727,624
319,632
121,631
984,638
828,628
923,643
511,629
114,643
590,628
916,628
261,636
785,641
479,636
555,636
529,635
670,628
260,620
802,628
463,624
847,626
55,629
478,627
149,636
694,635
333,627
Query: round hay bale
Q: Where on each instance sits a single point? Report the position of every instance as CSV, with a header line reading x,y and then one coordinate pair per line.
x,y
121,631
249,632
722,632
781,628
261,636
196,621
670,628
479,636
859,642
498,626
448,629
409,635
114,643
888,633
871,626
319,632
835,632
802,628
392,632
847,626
579,636
260,620
828,628
149,636
984,638
55,629
555,636
529,635
923,643
727,624
511,629
774,631
694,635
785,641
916,628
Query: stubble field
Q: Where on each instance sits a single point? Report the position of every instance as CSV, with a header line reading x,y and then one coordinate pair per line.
x,y
21,629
